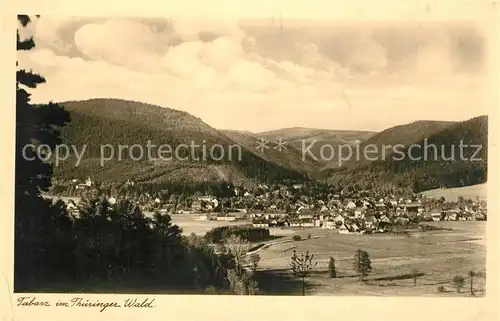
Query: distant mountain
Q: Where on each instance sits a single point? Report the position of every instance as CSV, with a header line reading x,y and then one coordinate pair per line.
x,y
113,123
427,167
289,157
316,144
232,156
295,134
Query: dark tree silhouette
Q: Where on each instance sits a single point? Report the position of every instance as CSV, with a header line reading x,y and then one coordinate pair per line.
x,y
458,282
35,126
471,274
362,264
332,272
414,274
254,260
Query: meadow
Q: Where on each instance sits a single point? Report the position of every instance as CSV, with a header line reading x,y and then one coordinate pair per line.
x,y
190,223
467,192
438,256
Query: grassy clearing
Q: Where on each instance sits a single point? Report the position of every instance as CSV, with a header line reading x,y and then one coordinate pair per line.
x,y
189,223
437,255
467,192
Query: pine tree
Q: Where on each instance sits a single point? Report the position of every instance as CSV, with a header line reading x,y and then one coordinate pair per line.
x,y
415,274
35,125
458,282
362,264
471,274
331,268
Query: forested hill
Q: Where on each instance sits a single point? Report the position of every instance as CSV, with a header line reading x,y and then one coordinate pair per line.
x,y
406,135
114,122
429,167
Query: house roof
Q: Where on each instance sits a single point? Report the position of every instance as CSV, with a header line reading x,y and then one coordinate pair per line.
x,y
411,205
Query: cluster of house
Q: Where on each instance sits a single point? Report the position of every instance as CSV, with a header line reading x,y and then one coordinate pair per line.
x,y
358,216
288,206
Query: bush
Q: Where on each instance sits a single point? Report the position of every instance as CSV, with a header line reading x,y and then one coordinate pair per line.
x,y
296,238
309,236
331,268
248,233
441,289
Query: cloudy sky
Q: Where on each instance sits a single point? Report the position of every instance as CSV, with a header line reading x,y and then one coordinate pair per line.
x,y
265,74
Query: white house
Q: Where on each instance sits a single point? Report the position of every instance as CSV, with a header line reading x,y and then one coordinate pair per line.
x,y
261,224
307,223
350,205
354,227
358,212
307,216
343,229
385,219
329,224
339,218
436,217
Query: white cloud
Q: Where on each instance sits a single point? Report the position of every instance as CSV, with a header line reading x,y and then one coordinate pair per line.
x,y
220,80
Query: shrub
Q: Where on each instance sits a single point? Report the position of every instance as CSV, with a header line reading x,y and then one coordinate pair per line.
x,y
309,236
331,268
441,289
458,282
296,238
248,233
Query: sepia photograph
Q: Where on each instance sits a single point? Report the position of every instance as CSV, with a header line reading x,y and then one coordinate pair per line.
x,y
267,157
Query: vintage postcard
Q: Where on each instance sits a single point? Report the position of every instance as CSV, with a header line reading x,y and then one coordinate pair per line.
x,y
249,162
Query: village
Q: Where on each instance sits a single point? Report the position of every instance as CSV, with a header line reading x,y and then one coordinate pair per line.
x,y
295,206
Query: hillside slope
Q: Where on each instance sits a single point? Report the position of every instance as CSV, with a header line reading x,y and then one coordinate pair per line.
x,y
452,194
398,135
428,167
104,125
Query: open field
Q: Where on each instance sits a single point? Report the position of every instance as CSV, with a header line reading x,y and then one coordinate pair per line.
x,y
437,255
467,192
189,223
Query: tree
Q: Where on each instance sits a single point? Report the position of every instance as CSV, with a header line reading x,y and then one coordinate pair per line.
x,y
471,274
414,274
237,248
331,268
362,264
242,283
458,282
254,260
35,126
302,266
